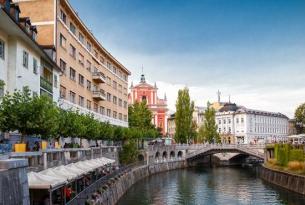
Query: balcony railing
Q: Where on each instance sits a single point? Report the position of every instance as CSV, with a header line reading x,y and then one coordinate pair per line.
x,y
99,95
99,77
45,84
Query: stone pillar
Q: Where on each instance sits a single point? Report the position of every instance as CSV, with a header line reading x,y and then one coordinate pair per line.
x,y
92,153
14,182
45,160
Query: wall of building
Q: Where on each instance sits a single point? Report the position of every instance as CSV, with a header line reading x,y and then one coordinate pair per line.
x,y
4,62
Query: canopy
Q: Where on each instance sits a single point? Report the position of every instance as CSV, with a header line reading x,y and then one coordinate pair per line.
x,y
41,181
54,177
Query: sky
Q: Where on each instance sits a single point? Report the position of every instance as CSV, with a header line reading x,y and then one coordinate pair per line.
x,y
250,50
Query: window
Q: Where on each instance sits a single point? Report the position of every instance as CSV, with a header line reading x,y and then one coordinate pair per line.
x,y
102,110
114,100
72,28
95,53
89,47
242,120
25,61
88,104
72,51
81,80
219,122
125,118
95,107
125,104
224,121
88,85
237,120
62,92
62,41
114,85
120,88
72,74
102,60
35,66
55,81
108,112
120,102
88,67
108,65
2,49
108,80
63,16
125,77
72,97
114,69
108,97
115,114
81,38
120,116
62,65
81,100
81,59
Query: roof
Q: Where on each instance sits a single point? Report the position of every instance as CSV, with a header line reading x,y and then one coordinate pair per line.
x,y
11,27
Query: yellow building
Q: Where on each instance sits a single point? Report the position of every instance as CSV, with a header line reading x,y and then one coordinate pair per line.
x,y
93,80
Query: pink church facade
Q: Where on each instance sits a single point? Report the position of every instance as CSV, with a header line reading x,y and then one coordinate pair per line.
x,y
145,91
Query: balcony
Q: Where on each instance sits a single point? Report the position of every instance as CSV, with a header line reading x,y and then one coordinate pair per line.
x,y
99,95
99,77
45,84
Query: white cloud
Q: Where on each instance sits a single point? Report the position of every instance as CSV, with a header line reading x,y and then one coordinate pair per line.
x,y
275,100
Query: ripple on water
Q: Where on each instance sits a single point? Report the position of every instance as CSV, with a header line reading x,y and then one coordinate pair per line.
x,y
219,186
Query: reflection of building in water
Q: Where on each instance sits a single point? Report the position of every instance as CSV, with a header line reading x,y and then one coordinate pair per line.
x,y
145,91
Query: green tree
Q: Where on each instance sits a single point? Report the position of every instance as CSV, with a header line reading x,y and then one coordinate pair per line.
x,y
209,131
201,134
300,118
139,116
183,117
129,153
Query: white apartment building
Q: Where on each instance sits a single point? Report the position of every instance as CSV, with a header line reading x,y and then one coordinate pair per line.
x,y
22,61
237,124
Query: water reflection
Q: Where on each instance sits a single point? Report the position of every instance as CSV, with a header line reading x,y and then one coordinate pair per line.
x,y
219,186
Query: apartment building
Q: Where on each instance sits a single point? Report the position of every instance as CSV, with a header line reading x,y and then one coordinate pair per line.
x,y
93,81
237,124
24,63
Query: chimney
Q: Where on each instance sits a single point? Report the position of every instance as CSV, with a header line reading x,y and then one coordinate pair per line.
x,y
14,12
6,4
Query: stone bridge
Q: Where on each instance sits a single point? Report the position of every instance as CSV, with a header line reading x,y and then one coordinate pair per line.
x,y
162,153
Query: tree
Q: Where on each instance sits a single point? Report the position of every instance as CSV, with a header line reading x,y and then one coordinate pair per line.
x,y
139,116
300,118
129,153
209,131
201,134
183,117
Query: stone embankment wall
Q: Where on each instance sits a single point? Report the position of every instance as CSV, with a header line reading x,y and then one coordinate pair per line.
x,y
117,187
14,189
288,181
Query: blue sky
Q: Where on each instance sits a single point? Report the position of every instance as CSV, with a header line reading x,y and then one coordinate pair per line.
x,y
253,50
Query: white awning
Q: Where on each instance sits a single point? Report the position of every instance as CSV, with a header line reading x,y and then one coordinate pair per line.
x,y
41,181
53,177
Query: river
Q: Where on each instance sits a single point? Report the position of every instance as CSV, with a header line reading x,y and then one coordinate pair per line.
x,y
217,186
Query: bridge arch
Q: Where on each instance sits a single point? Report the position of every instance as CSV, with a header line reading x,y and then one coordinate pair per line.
x,y
157,155
180,154
172,155
164,155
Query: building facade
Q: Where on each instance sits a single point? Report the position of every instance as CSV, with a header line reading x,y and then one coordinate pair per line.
x,y
92,81
145,91
23,62
171,126
198,116
237,124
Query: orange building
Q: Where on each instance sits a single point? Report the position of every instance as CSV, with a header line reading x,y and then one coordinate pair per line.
x,y
145,91
92,81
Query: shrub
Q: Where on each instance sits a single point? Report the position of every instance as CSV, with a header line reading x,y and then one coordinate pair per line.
x,y
296,155
283,155
296,165
272,161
